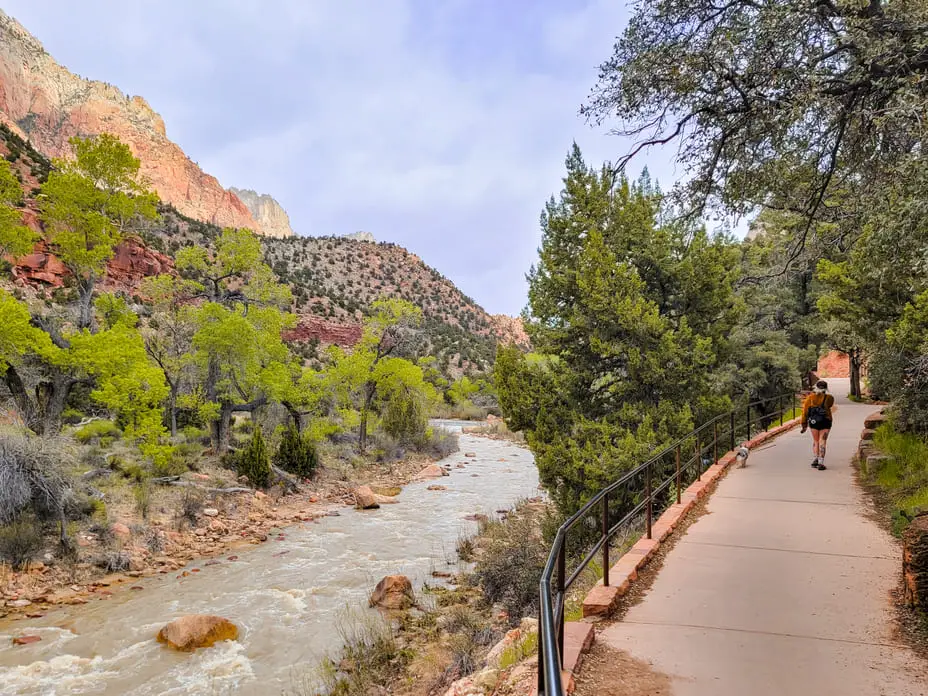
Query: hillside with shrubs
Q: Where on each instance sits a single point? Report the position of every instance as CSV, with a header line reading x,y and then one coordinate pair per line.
x,y
146,378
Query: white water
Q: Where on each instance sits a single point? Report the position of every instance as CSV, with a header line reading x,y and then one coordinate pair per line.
x,y
286,596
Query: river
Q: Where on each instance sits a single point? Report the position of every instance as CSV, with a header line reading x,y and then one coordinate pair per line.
x,y
287,597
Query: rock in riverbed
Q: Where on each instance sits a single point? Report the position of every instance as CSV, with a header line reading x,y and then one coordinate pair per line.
x,y
365,498
197,631
393,592
432,471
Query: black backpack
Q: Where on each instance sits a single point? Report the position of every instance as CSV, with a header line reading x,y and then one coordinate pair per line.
x,y
818,413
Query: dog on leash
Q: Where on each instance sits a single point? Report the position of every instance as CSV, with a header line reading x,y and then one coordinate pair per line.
x,y
741,455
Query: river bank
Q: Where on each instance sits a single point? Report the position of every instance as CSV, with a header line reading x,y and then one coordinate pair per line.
x,y
288,596
186,525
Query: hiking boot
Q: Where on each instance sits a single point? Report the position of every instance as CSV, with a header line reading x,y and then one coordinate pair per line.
x,y
821,466
815,463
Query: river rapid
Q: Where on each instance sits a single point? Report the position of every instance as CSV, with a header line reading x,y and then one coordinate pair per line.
x,y
289,597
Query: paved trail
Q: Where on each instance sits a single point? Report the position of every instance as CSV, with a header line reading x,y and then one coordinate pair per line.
x,y
783,588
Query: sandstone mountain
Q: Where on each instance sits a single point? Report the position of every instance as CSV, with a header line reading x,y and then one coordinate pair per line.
x,y
44,102
272,218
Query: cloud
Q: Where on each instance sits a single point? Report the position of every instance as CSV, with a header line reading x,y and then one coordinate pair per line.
x,y
439,126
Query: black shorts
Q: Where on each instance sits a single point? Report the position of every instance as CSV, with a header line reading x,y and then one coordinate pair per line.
x,y
821,425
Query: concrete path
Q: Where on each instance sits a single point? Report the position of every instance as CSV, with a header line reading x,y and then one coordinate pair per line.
x,y
783,587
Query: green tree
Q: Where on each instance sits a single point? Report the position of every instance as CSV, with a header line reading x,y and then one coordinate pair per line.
x,y
169,335
371,369
631,318
237,340
15,238
809,107
296,453
253,461
88,204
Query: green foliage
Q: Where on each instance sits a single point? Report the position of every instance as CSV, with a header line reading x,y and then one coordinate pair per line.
x,y
253,462
404,418
828,88
15,238
631,317
296,453
88,203
905,476
21,541
97,430
19,337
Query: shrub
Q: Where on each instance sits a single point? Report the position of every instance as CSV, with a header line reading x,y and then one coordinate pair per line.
x,y
31,476
113,561
253,462
510,566
172,466
191,504
97,430
134,472
439,443
21,541
142,495
404,417
296,454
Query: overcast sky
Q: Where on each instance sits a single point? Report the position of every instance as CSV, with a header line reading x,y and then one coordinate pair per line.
x,y
441,125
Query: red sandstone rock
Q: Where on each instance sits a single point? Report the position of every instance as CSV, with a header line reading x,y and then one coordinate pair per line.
x,y
26,640
56,105
311,327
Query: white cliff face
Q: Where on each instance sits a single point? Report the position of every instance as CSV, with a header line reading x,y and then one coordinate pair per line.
x,y
49,105
269,214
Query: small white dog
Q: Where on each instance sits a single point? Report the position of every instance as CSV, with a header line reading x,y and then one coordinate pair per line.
x,y
742,455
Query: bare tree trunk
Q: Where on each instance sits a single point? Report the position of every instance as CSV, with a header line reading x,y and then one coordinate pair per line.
x,y
21,398
172,407
369,391
51,397
85,318
222,427
854,357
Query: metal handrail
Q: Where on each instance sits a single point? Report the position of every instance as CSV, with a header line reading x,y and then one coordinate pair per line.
x,y
553,600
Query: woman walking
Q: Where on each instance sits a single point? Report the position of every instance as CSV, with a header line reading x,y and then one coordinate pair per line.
x,y
817,415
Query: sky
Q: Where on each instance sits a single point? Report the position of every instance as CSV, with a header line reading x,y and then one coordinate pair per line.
x,y
440,125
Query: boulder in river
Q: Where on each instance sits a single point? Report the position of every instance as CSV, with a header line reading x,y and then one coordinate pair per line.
x,y
197,631
26,640
365,498
432,471
393,592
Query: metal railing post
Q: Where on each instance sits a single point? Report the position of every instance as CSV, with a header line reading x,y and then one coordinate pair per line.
x,y
698,459
749,421
561,593
606,538
780,410
732,417
715,443
648,478
678,474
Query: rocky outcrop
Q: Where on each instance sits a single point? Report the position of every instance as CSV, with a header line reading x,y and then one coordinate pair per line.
x,y
272,218
310,327
131,263
49,105
394,592
509,330
362,237
197,631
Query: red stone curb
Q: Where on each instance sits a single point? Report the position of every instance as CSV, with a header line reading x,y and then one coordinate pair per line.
x,y
601,601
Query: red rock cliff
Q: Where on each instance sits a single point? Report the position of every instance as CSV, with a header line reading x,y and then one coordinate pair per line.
x,y
50,105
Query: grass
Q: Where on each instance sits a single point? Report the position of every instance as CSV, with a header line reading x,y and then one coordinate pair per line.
x,y
903,477
786,417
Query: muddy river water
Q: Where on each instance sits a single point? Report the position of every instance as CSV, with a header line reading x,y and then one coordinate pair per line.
x,y
288,597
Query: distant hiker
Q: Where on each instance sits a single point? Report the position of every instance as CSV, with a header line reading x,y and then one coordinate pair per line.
x,y
816,414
